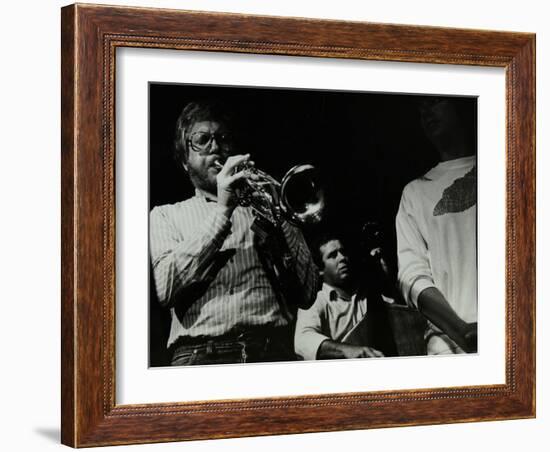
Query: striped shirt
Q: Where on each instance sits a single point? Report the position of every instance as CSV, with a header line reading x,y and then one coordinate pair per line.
x,y
188,242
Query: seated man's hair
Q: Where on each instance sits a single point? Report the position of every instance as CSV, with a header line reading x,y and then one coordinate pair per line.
x,y
192,113
318,242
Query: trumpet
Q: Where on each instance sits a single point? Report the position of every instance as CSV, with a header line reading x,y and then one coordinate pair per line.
x,y
298,198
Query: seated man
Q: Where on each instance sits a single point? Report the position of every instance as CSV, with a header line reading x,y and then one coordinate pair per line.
x,y
325,330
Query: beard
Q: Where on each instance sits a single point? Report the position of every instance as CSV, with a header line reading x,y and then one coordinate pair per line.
x,y
201,179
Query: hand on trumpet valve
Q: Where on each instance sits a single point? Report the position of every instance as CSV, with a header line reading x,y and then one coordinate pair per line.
x,y
232,173
240,182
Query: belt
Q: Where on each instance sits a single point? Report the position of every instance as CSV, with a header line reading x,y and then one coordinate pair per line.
x,y
249,335
263,338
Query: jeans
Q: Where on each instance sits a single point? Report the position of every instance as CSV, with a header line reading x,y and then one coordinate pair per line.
x,y
243,348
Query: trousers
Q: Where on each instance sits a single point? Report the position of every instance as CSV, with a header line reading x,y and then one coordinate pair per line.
x,y
269,345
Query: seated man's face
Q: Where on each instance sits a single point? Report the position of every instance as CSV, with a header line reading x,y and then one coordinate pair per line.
x,y
336,270
207,142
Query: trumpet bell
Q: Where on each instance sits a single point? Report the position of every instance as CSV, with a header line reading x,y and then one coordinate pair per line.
x,y
302,198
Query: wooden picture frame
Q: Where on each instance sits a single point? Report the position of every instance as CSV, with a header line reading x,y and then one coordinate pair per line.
x,y
90,36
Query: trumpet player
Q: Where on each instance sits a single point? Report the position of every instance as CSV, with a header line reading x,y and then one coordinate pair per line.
x,y
208,265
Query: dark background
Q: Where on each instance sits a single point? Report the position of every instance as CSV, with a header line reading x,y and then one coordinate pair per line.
x,y
366,146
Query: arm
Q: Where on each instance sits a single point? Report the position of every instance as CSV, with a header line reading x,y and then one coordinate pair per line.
x,y
306,270
180,262
309,329
330,349
311,340
414,273
436,308
416,281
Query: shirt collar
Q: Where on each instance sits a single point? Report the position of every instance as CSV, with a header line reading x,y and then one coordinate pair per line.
x,y
205,195
331,292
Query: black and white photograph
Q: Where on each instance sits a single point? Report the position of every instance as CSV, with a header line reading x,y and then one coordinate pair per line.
x,y
274,226
298,225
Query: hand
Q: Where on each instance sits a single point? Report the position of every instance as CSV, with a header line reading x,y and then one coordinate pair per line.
x,y
227,180
469,342
437,309
360,351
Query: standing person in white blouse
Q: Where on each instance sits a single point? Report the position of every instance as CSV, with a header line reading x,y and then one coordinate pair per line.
x,y
207,266
436,230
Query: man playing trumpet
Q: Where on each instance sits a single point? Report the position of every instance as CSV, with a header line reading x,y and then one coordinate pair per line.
x,y
208,264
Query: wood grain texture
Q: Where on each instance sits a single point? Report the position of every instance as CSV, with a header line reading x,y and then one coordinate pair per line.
x,y
90,36
67,224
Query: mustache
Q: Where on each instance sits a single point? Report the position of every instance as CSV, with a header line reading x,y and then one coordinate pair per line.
x,y
217,160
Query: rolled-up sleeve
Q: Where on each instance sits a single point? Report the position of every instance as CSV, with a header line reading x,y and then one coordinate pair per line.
x,y
307,271
414,274
309,330
180,261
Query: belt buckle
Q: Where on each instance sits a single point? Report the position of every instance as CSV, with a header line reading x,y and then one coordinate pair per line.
x,y
210,349
242,336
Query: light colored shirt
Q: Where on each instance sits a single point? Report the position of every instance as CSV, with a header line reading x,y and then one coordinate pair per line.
x,y
436,240
331,317
186,238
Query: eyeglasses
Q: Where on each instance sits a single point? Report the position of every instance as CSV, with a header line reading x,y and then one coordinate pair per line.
x,y
202,141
